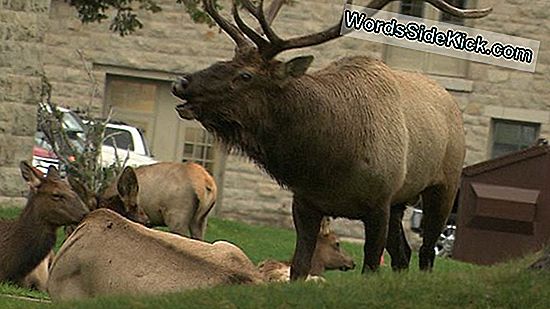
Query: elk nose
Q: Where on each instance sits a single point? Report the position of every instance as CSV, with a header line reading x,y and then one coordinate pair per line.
x,y
180,84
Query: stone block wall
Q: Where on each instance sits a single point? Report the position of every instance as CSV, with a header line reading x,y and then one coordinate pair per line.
x,y
170,42
22,25
503,92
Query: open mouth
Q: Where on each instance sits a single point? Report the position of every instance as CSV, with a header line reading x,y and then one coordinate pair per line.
x,y
185,110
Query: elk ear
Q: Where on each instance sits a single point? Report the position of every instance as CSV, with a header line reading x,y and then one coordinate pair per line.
x,y
295,67
325,226
31,174
127,184
53,173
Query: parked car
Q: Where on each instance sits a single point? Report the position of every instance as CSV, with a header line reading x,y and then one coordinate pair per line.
x,y
129,142
43,155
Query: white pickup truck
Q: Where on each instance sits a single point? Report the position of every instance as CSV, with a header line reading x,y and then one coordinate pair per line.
x,y
129,142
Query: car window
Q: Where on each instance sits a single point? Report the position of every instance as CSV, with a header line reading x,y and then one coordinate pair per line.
x,y
40,140
145,145
72,122
122,139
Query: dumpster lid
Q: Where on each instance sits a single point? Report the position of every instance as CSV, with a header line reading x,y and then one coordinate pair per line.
x,y
508,159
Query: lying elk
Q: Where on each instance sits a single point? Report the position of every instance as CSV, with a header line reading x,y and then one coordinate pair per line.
x,y
356,139
178,195
108,254
26,241
123,200
328,255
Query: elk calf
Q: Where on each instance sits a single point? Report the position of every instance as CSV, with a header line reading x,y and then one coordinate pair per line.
x,y
26,241
178,195
108,254
328,255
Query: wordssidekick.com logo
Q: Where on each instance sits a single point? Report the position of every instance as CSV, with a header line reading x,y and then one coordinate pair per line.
x,y
437,37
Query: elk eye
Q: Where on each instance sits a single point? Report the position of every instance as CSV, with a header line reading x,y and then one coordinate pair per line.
x,y
337,245
57,196
245,76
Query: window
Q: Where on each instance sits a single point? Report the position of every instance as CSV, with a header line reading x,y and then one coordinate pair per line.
x,y
421,61
198,147
510,136
122,139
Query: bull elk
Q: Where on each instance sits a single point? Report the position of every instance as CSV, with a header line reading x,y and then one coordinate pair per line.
x,y
356,139
26,241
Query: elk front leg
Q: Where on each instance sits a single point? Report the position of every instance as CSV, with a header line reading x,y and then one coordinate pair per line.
x,y
307,222
376,231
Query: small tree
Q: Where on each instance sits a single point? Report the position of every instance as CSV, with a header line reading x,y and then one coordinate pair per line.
x,y
78,152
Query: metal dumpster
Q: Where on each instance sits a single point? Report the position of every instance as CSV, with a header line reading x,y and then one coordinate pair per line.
x,y
504,208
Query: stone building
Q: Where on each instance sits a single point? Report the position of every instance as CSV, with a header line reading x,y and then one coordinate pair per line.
x,y
88,65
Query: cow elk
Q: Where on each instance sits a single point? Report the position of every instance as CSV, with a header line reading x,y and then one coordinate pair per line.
x,y
108,254
328,255
356,139
178,195
27,241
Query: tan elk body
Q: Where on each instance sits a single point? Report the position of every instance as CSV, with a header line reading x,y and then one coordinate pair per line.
x,y
178,195
26,241
108,254
356,139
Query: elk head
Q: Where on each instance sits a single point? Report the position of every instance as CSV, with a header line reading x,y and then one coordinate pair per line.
x,y
328,254
127,189
52,198
230,97
123,201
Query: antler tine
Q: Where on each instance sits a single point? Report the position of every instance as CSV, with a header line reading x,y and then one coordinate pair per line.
x,y
458,12
273,10
271,35
250,7
307,40
441,5
226,26
249,32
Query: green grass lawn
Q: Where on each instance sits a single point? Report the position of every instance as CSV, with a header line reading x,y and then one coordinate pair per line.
x,y
452,284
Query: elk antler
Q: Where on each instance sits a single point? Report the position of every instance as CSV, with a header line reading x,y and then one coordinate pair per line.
x,y
274,44
226,26
277,45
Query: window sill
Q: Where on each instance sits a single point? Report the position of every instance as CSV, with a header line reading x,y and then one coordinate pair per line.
x,y
460,84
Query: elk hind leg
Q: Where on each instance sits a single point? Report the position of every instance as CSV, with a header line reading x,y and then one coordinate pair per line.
x,y
437,205
396,244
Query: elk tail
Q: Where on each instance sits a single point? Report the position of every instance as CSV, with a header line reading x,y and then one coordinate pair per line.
x,y
206,201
